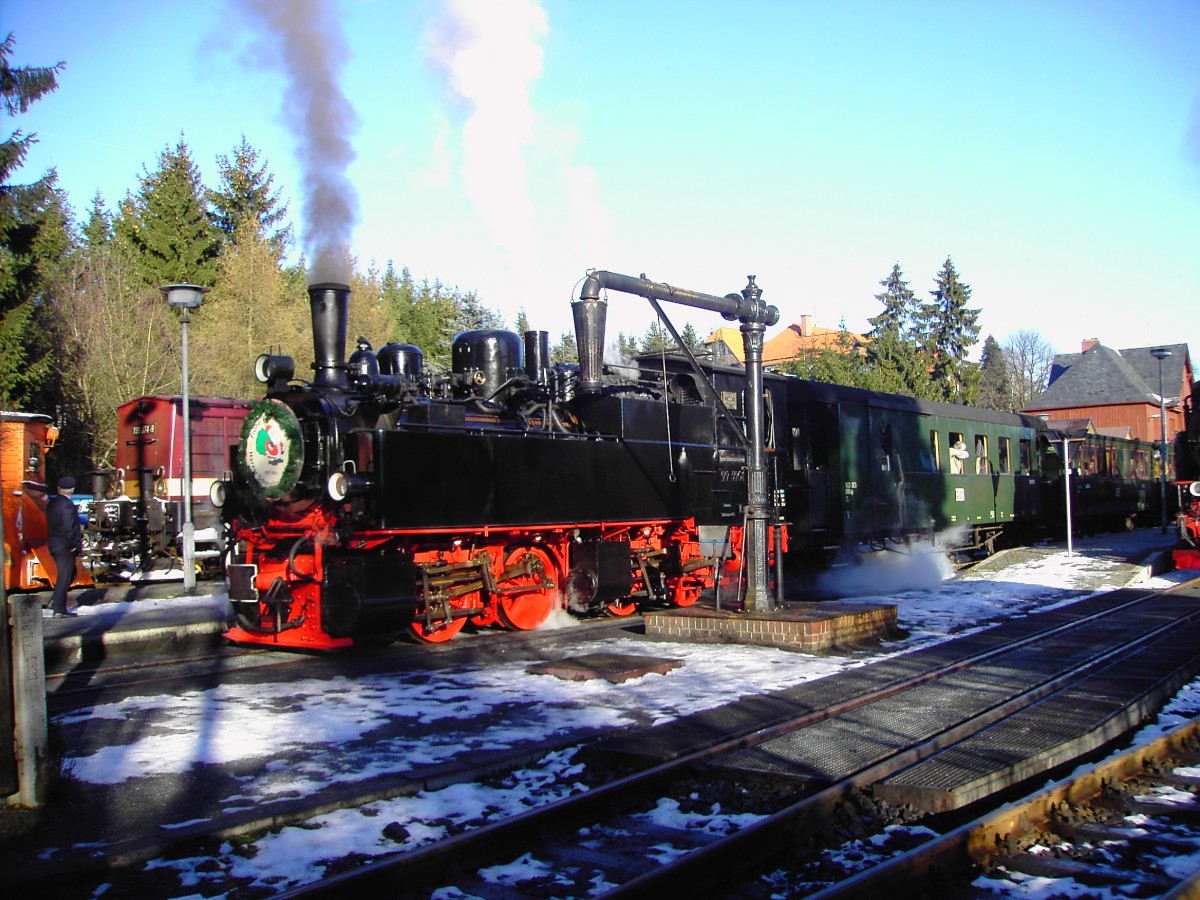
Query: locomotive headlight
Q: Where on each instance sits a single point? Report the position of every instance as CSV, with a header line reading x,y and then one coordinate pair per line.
x,y
274,367
339,486
342,485
218,493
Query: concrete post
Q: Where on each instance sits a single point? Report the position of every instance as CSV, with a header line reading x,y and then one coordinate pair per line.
x,y
29,699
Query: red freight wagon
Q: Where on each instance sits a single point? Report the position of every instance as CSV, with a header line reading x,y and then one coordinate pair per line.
x,y
136,527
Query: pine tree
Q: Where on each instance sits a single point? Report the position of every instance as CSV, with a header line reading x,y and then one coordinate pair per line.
x,y
246,194
98,230
895,362
627,346
167,224
472,314
657,338
424,314
33,221
900,308
691,338
565,351
950,329
996,386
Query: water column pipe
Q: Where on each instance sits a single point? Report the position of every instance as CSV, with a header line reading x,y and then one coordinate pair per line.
x,y
755,317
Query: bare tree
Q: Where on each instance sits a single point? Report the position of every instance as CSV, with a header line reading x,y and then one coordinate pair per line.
x,y
1030,358
117,335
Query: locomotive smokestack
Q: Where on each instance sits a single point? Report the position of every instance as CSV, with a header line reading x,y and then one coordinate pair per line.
x,y
330,302
589,313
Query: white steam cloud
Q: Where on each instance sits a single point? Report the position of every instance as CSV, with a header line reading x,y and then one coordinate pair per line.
x,y
490,52
303,40
921,566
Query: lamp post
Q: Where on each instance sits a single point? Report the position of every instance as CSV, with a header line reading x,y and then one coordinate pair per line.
x,y
1161,353
186,297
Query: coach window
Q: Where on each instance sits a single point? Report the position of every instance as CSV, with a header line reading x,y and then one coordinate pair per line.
x,y
1139,464
959,454
1026,450
935,453
983,465
885,446
1005,456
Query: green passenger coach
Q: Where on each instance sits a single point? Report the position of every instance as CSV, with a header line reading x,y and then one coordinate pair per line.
x,y
867,469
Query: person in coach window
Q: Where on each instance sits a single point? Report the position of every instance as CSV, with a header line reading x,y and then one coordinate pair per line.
x,y
65,543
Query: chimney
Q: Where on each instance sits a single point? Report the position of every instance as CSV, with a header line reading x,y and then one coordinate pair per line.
x,y
806,326
1089,343
329,302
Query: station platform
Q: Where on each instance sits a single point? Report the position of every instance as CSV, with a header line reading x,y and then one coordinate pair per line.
x,y
112,622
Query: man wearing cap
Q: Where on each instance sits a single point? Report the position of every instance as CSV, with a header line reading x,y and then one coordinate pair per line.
x,y
65,543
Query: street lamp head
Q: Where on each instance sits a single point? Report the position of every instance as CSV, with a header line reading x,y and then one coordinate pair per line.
x,y
187,296
1160,353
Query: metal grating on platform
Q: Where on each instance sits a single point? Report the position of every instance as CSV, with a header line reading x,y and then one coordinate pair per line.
x,y
1070,724
853,741
829,750
755,712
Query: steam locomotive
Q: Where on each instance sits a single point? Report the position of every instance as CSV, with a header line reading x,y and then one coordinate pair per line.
x,y
379,498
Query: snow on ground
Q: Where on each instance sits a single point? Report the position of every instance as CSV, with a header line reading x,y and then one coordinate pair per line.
x,y
297,736
116,611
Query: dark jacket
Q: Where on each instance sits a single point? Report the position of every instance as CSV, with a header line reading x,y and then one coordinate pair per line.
x,y
62,521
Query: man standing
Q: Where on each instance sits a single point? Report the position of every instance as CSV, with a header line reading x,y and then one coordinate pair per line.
x,y
65,543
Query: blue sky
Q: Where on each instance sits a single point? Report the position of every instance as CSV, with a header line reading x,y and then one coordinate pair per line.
x,y
1051,149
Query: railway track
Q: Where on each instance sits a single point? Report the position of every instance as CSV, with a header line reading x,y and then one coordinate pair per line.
x,y
602,841
1128,821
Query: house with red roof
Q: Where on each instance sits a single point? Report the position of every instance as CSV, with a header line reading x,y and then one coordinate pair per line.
x,y
799,339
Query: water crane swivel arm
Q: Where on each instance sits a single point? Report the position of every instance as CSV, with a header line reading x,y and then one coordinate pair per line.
x,y
746,307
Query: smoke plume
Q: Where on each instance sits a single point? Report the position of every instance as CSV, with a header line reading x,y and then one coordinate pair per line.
x,y
303,40
490,52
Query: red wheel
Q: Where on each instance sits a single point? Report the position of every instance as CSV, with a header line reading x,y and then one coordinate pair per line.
x,y
684,590
624,607
442,630
525,610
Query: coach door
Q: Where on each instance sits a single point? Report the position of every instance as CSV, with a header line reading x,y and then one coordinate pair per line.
x,y
887,472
